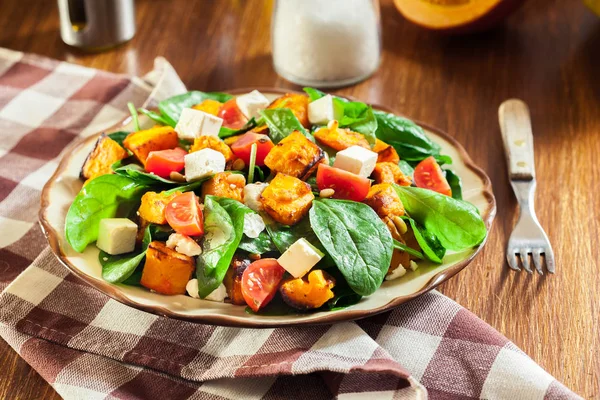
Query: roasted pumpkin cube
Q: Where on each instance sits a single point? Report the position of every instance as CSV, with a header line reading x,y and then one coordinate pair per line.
x,y
152,208
309,293
297,103
225,184
385,152
141,143
166,271
287,199
296,156
106,152
209,106
385,201
213,142
389,172
233,280
339,138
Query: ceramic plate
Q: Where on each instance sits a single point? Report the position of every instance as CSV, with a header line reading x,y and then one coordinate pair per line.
x,y
64,185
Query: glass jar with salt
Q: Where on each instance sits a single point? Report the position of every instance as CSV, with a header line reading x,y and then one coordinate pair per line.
x,y
326,43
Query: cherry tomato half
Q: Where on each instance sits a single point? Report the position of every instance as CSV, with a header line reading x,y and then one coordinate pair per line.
x,y
184,215
347,186
429,175
163,162
232,115
260,282
242,147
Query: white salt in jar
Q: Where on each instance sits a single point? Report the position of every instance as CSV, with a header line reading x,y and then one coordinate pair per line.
x,y
326,43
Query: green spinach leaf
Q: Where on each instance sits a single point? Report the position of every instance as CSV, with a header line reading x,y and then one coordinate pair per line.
x,y
260,245
171,107
456,224
106,196
455,184
314,94
406,169
357,240
401,246
118,136
282,122
137,173
223,230
408,138
154,116
429,243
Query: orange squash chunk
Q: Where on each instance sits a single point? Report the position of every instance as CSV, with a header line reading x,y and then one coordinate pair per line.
x,y
166,271
152,208
106,152
214,143
287,199
141,143
295,155
339,138
385,152
233,280
309,293
385,201
225,184
389,172
209,106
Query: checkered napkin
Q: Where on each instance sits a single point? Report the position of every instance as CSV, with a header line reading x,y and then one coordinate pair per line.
x,y
91,347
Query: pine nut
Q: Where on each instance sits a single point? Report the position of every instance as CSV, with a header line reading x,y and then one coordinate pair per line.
x,y
236,180
400,224
326,193
177,177
238,165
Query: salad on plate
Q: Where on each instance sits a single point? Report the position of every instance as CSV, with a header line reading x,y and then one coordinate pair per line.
x,y
305,203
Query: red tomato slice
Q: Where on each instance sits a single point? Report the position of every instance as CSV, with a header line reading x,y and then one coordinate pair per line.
x,y
347,186
163,162
232,115
241,147
184,215
260,282
429,175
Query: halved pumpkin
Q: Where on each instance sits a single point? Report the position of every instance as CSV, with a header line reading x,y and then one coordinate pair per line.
x,y
457,16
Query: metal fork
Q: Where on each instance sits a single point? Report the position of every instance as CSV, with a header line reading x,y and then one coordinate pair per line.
x,y
528,237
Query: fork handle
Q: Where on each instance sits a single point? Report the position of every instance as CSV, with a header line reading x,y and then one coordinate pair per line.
x,y
515,125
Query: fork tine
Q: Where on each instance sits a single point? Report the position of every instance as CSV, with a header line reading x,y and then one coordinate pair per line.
x,y
511,257
549,256
537,261
525,260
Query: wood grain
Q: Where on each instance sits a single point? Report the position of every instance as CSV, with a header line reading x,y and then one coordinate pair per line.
x,y
547,54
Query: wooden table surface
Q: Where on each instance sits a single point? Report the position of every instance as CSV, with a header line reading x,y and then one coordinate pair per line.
x,y
548,54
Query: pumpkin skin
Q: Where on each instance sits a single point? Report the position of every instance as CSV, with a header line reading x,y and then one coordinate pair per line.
x,y
457,16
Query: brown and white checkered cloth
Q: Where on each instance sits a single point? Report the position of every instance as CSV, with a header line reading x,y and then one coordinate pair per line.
x,y
91,347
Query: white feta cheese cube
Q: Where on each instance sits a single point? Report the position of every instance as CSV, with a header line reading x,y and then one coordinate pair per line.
x,y
397,273
252,192
116,235
323,110
184,245
356,159
253,225
250,104
195,123
299,258
203,163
